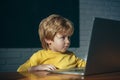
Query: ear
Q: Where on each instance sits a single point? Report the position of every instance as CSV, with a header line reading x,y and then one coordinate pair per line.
x,y
48,41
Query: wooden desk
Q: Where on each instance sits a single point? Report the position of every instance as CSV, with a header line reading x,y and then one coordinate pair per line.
x,y
43,75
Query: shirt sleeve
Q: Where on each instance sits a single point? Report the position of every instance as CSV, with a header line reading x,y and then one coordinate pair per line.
x,y
33,61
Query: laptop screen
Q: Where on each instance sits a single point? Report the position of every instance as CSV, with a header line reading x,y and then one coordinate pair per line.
x,y
104,48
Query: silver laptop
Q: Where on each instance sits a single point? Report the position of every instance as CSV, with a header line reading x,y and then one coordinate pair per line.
x,y
77,71
104,49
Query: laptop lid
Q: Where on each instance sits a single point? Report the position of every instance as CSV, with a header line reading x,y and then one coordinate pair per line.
x,y
104,48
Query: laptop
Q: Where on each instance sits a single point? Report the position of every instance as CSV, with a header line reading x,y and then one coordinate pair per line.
x,y
104,49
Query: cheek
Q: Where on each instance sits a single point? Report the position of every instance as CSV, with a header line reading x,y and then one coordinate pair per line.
x,y
59,43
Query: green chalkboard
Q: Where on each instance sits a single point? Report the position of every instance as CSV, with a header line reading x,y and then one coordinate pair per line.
x,y
19,20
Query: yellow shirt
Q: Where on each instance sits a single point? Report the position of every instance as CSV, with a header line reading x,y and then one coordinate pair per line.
x,y
60,60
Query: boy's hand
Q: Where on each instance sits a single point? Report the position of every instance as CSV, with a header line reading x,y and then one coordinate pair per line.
x,y
42,67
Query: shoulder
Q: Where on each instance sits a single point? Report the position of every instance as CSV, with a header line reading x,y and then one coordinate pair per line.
x,y
39,52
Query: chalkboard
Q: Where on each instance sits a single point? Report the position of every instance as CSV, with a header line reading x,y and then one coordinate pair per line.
x,y
19,20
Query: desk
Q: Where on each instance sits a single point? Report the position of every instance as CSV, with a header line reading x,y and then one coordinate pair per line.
x,y
43,75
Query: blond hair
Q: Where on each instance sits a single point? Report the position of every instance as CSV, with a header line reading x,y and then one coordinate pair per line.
x,y
51,25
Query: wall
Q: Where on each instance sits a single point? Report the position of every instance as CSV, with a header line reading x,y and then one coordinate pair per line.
x,y
10,59
89,9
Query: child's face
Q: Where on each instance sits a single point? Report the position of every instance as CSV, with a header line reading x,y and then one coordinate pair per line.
x,y
60,43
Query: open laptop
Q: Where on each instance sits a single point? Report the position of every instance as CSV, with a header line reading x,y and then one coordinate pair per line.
x,y
104,49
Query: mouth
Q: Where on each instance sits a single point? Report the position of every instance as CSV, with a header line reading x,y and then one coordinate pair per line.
x,y
66,47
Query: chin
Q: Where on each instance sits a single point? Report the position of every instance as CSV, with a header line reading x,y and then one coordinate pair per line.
x,y
63,51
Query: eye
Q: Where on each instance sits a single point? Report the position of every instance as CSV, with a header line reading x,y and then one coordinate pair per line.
x,y
62,37
69,37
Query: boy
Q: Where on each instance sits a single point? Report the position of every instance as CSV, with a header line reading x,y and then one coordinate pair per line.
x,y
54,32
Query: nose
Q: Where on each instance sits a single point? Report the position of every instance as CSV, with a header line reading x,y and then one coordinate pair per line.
x,y
67,40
